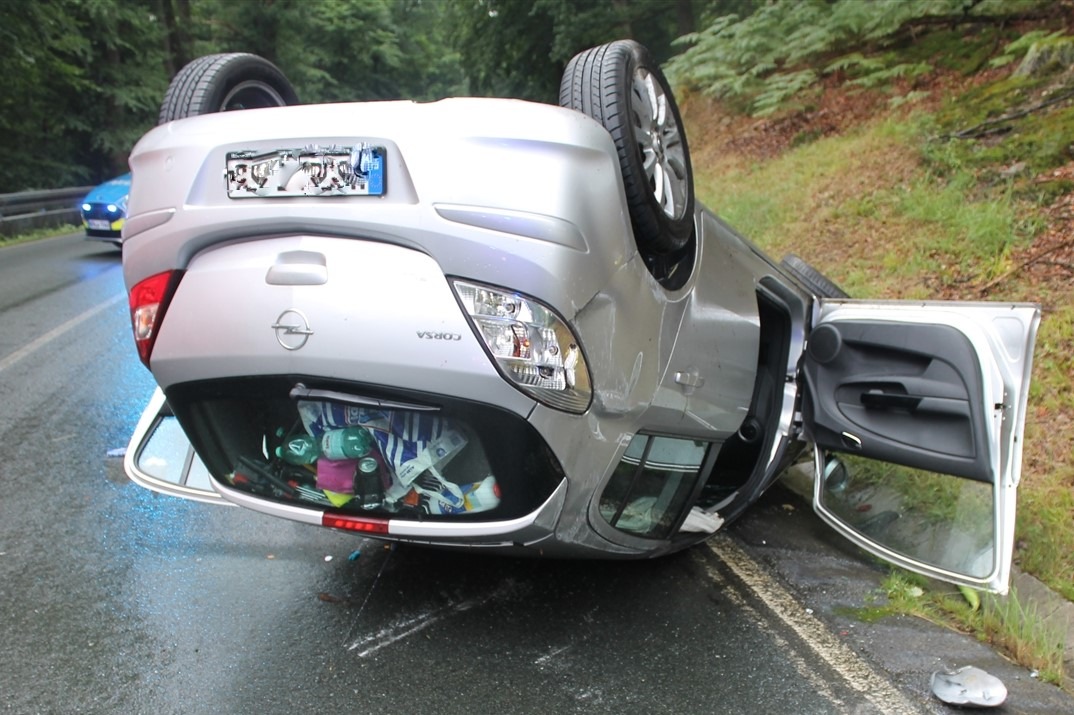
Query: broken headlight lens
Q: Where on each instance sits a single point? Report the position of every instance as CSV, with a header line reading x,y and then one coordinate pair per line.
x,y
529,344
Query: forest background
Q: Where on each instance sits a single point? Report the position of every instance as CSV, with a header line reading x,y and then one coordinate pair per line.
x,y
83,79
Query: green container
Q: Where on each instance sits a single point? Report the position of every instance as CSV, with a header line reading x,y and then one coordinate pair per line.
x,y
347,443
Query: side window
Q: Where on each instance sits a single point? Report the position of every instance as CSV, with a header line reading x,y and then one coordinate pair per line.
x,y
652,484
924,516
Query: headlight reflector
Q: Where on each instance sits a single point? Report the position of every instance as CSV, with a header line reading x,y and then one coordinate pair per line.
x,y
529,344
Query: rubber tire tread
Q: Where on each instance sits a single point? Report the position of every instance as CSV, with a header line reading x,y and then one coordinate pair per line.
x,y
193,87
816,281
597,82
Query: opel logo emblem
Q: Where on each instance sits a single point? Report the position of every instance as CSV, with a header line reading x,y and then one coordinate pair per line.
x,y
292,329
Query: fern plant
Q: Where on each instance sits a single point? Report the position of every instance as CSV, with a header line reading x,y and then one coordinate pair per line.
x,y
763,60
1017,49
882,76
779,88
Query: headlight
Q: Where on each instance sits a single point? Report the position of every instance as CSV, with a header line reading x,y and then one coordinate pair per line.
x,y
531,345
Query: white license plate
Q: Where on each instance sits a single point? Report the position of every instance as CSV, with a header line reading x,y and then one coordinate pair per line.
x,y
100,224
311,171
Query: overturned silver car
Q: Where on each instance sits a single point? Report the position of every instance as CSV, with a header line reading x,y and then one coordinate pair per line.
x,y
495,324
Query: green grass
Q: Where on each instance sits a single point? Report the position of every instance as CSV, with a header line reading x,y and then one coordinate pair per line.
x,y
877,233
1006,622
1044,532
1022,632
39,234
1040,139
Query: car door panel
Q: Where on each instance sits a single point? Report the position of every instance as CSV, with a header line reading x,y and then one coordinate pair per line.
x,y
938,389
904,393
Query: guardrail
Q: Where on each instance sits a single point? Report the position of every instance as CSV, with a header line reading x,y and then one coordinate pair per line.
x,y
27,210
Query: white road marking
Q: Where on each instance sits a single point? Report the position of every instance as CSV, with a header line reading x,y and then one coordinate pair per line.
x,y
808,673
56,332
858,674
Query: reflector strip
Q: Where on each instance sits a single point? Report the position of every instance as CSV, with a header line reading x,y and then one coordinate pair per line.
x,y
351,523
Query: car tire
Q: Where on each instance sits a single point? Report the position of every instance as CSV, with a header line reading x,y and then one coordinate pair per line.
x,y
225,82
811,278
620,86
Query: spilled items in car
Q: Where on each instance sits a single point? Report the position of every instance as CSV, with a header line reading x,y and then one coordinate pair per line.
x,y
371,460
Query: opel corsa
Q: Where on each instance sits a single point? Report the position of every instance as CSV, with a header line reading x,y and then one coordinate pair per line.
x,y
508,326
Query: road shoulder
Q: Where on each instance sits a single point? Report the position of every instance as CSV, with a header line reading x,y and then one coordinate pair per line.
x,y
833,581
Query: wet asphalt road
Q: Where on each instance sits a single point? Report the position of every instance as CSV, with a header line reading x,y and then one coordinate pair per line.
x,y
116,600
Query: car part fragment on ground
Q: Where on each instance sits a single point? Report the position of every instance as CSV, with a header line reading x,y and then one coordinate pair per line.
x,y
969,685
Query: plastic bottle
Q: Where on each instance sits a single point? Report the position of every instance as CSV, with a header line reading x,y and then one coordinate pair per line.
x,y
299,449
482,496
347,443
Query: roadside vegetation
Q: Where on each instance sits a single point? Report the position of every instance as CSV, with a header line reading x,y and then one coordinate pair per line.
x,y
912,157
1009,623
38,234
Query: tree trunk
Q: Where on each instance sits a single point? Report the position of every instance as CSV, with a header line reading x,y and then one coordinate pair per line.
x,y
685,22
181,32
163,10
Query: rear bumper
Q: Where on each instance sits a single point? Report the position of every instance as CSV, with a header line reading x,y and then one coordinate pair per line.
x,y
522,532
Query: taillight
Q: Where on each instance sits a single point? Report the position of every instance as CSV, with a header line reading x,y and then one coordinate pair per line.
x,y
365,525
148,300
530,345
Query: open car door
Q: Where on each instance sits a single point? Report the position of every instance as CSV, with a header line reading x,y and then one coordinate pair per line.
x,y
160,457
916,411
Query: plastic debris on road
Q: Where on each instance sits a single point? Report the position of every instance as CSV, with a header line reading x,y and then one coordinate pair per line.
x,y
969,685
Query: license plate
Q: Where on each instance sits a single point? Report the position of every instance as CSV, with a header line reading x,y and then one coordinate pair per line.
x,y
311,171
100,224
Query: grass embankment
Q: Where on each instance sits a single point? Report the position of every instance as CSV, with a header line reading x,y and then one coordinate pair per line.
x,y
890,205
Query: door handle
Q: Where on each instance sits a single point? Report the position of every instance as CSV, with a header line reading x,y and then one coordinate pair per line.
x,y
891,400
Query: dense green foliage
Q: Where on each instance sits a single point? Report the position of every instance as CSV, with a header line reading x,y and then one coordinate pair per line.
x,y
83,78
73,73
787,46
